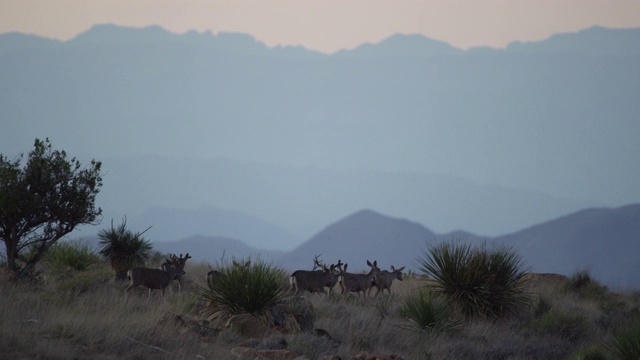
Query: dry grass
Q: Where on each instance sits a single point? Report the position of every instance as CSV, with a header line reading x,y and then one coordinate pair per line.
x,y
83,315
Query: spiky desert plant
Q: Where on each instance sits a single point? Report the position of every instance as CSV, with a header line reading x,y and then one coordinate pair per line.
x,y
123,248
626,344
244,287
477,280
426,312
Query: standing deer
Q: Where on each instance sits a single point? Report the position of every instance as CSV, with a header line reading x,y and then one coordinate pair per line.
x,y
152,278
384,278
312,281
213,275
331,281
358,282
178,263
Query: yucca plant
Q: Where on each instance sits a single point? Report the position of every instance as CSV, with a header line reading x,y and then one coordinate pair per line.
x,y
245,287
476,280
123,248
626,345
76,255
427,313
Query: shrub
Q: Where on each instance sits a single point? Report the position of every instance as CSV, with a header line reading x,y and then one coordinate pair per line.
x,y
584,284
593,352
76,255
123,248
626,345
476,280
563,325
246,287
427,313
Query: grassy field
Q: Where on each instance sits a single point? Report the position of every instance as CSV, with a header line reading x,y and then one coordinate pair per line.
x,y
83,315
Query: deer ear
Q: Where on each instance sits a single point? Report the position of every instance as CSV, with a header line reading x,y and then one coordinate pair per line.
x,y
392,268
369,263
402,268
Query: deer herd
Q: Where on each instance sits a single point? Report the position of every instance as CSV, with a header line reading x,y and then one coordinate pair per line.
x,y
322,276
313,281
172,269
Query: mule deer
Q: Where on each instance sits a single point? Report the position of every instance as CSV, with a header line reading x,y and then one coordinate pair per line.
x,y
213,275
331,281
358,282
384,278
152,278
312,281
178,263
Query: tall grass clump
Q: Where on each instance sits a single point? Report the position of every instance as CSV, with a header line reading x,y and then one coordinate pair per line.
x,y
427,313
582,283
626,344
67,255
476,280
244,287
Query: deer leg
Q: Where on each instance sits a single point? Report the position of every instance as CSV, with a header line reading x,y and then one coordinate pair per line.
x,y
127,290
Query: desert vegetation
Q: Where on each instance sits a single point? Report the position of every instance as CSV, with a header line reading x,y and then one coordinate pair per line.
x,y
74,308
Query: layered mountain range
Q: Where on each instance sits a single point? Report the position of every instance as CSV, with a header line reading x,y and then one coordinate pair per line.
x,y
217,136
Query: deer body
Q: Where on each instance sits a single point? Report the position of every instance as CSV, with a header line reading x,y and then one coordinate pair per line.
x,y
384,278
152,278
319,266
178,263
213,275
358,282
312,281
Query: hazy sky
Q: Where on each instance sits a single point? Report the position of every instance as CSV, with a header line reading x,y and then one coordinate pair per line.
x,y
328,25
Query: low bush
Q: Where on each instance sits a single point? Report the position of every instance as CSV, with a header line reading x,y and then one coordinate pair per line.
x,y
568,326
476,280
626,344
582,283
70,255
244,288
427,313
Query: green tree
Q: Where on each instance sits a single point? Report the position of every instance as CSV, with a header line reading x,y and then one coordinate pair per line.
x,y
44,201
123,248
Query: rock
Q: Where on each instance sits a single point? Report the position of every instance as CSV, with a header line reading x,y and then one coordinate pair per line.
x,y
322,332
244,353
371,356
543,279
246,325
295,314
277,354
247,353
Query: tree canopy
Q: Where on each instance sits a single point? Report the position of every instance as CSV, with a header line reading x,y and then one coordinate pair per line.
x,y
43,201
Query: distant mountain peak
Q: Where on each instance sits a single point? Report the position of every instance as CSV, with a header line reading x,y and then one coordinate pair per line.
x,y
367,217
403,45
110,33
592,40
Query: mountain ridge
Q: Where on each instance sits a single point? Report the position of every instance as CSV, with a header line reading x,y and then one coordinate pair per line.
x,y
111,33
601,240
359,132
565,245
